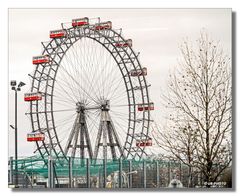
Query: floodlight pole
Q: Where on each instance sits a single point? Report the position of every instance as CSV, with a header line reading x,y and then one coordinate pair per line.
x,y
16,142
16,89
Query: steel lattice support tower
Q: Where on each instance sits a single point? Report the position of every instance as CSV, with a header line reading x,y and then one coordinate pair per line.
x,y
79,136
107,134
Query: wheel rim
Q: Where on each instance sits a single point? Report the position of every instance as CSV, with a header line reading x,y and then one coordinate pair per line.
x,y
45,79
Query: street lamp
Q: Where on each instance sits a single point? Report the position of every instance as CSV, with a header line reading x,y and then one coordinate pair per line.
x,y
16,88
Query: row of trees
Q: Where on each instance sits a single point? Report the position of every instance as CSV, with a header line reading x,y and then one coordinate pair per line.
x,y
199,110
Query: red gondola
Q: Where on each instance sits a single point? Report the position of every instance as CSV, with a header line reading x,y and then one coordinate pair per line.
x,y
40,59
32,96
139,72
143,107
80,22
103,25
142,143
58,33
35,136
127,43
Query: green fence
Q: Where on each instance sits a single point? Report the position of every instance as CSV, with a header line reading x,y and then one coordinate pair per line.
x,y
85,173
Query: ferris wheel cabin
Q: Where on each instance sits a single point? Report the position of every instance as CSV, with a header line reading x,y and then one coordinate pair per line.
x,y
58,33
35,136
143,107
80,22
32,96
138,72
104,25
127,43
40,59
142,143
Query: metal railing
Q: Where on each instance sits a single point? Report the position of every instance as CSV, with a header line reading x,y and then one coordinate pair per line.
x,y
86,173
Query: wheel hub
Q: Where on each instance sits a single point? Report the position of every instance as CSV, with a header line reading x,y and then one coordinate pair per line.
x,y
105,105
80,106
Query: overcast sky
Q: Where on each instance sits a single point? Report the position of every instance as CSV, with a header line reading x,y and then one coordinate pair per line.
x,y
156,34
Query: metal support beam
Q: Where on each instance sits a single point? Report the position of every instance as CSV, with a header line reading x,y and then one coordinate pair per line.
x,y
107,134
116,139
79,136
74,147
87,139
72,133
104,127
97,145
81,142
111,142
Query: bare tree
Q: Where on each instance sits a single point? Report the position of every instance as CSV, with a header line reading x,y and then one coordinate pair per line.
x,y
199,102
179,143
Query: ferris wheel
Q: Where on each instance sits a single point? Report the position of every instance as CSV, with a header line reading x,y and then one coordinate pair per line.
x,y
89,96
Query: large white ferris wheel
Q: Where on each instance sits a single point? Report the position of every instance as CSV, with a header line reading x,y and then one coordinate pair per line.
x,y
89,95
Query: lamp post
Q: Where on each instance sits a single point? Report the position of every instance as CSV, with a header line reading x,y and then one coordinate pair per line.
x,y
16,88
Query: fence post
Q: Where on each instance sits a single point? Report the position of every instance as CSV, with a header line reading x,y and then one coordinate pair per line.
x,y
50,173
88,173
158,176
130,173
100,172
169,173
54,174
180,172
120,173
70,171
144,175
11,171
104,173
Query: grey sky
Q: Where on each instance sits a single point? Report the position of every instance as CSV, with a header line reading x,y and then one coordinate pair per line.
x,y
156,34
